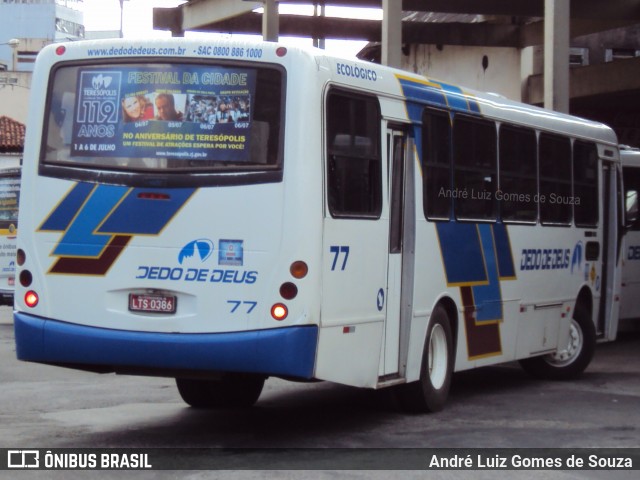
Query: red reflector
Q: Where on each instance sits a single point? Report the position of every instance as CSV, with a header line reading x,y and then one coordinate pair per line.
x,y
288,291
281,51
60,50
154,196
31,299
348,329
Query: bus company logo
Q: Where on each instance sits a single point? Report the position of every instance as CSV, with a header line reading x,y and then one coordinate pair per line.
x,y
200,249
545,259
23,459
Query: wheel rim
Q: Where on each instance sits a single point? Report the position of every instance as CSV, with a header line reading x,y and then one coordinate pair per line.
x,y
438,356
564,357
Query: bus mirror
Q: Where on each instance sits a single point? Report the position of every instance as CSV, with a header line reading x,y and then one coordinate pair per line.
x,y
631,207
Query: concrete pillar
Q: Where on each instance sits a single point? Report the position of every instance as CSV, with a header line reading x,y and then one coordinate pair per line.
x,y
392,33
319,10
270,21
556,55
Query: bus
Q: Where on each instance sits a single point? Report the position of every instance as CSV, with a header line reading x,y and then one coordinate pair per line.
x,y
222,212
9,200
630,290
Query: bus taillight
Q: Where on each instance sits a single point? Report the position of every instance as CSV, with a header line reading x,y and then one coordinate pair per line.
x,y
26,279
31,299
279,311
299,269
288,291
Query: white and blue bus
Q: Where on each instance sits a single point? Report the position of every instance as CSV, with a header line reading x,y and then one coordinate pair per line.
x,y
225,212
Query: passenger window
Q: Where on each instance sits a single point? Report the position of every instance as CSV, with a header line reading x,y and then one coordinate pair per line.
x,y
436,164
631,179
354,165
555,179
516,196
585,184
474,158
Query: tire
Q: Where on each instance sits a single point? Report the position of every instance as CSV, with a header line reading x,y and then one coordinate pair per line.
x,y
430,392
570,362
233,390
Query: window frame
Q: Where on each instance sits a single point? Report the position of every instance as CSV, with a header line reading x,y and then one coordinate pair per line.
x,y
375,159
516,128
475,169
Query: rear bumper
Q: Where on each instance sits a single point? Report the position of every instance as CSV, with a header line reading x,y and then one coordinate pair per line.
x,y
286,351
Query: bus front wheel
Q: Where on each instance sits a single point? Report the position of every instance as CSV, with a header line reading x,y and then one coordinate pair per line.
x,y
430,392
571,360
233,390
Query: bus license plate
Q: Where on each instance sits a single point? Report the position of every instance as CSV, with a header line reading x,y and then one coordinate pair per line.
x,y
152,303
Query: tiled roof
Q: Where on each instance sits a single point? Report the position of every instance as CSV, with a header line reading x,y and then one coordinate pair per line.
x,y
11,135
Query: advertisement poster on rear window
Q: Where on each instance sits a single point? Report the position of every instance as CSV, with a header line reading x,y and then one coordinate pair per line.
x,y
178,112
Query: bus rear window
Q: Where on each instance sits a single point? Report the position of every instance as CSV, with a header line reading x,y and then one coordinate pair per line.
x,y
164,118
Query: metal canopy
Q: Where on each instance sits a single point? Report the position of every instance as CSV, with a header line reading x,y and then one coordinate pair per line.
x,y
490,23
508,23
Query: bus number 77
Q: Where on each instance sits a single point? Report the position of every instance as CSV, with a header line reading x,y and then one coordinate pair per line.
x,y
337,250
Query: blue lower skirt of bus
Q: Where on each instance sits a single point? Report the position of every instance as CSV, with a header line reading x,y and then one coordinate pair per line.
x,y
288,351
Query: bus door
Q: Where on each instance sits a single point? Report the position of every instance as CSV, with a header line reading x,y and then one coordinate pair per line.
x,y
400,184
355,241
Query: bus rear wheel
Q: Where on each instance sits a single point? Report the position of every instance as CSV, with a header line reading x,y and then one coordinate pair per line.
x,y
233,390
430,392
568,362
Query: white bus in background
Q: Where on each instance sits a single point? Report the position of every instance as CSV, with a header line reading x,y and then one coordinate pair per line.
x,y
630,291
224,212
9,199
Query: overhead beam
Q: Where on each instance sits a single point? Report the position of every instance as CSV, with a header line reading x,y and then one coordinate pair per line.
x,y
592,80
192,15
586,9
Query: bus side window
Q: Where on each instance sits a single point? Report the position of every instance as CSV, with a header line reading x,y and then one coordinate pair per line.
x,y
555,179
585,184
631,179
354,177
518,174
475,172
436,164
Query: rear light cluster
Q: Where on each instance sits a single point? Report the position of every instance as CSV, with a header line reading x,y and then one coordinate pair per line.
x,y
289,290
25,278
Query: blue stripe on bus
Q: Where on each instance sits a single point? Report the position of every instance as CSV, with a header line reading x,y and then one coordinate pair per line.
x,y
462,253
455,98
488,298
506,267
80,239
137,215
61,217
474,106
286,351
423,93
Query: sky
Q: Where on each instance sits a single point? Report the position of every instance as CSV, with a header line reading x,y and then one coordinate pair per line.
x,y
138,21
